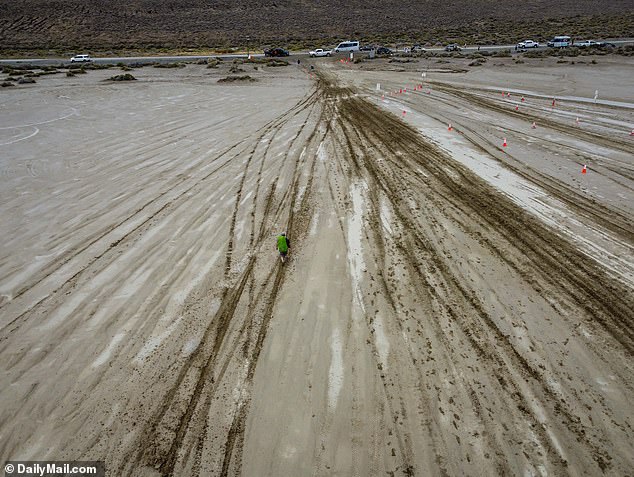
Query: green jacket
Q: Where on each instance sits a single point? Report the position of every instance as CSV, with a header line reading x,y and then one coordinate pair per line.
x,y
282,244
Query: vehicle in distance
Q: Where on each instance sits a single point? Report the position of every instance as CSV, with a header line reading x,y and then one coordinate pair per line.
x,y
560,42
585,44
367,48
527,44
276,52
319,52
417,48
593,44
80,59
382,50
347,46
452,47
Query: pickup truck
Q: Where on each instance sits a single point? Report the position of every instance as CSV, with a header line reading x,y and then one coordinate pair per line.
x,y
319,52
80,59
527,44
593,44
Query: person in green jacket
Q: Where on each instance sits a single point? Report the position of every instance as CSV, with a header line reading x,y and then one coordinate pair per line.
x,y
283,244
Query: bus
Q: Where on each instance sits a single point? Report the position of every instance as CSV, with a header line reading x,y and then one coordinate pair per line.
x,y
560,42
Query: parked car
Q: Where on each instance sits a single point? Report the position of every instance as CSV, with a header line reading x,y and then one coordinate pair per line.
x,y
367,48
417,49
453,47
593,44
527,44
584,43
276,52
319,52
347,46
80,59
381,50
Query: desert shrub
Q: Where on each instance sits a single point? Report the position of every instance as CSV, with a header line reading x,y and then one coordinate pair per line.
x,y
231,79
562,61
11,78
478,62
594,62
519,62
235,69
627,50
201,61
212,64
169,65
70,73
400,60
124,77
6,84
535,54
26,80
276,62
502,53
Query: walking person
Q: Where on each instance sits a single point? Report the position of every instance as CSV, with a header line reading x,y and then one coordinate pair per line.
x,y
283,244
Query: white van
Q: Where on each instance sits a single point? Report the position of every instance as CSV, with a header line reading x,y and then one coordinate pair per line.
x,y
560,42
347,46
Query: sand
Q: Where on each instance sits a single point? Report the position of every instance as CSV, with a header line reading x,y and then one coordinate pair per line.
x,y
450,306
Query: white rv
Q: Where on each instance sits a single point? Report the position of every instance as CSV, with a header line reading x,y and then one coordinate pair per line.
x,y
560,42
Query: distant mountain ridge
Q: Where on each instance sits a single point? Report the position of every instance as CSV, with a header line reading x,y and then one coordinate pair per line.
x,y
118,24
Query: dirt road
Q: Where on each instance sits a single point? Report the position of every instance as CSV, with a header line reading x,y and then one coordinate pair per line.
x,y
451,306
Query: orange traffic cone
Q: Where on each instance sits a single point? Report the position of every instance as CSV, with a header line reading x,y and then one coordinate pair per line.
x,y
584,169
523,99
553,102
632,133
449,128
404,112
504,143
517,108
534,126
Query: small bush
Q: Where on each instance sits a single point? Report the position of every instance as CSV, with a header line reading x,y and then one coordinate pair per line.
x,y
124,77
26,81
502,53
6,84
70,73
275,62
235,69
169,65
231,79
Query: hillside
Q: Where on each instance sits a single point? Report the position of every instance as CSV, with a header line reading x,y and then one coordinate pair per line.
x,y
155,24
